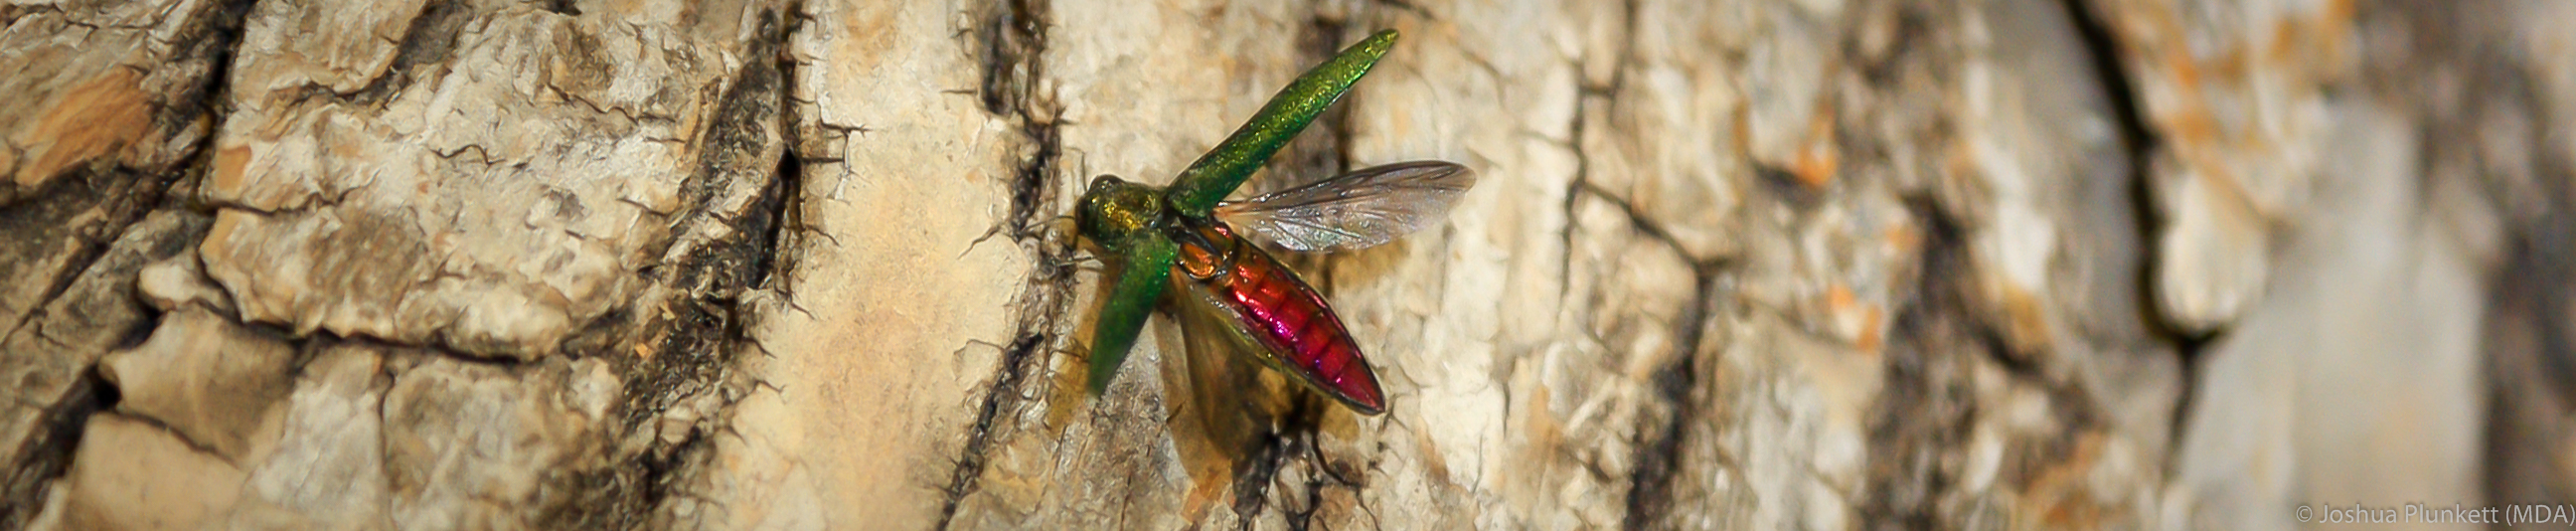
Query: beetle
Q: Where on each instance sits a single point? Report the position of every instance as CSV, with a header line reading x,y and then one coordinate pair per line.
x,y
1184,240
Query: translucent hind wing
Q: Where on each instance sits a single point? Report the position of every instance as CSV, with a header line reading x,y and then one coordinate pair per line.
x,y
1354,210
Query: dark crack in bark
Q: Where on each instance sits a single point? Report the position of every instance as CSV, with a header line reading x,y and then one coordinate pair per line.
x,y
1261,464
125,195
560,7
786,204
1662,438
2140,142
48,454
1927,406
119,194
1290,446
2527,359
1009,40
691,341
1663,426
422,53
980,435
1583,114
1663,429
1011,35
1922,424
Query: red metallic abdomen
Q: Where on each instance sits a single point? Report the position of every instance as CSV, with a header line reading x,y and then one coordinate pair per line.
x,y
1287,317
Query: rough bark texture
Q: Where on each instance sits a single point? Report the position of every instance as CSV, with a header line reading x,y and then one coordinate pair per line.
x,y
803,264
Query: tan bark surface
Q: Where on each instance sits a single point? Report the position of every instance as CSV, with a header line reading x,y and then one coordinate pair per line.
x,y
804,264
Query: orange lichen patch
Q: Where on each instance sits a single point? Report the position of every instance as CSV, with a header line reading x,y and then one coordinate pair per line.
x,y
1838,297
2289,43
1871,321
2197,137
1817,163
2232,64
2200,127
2060,495
2191,126
2314,42
87,121
2336,12
2185,71
1858,321
1903,239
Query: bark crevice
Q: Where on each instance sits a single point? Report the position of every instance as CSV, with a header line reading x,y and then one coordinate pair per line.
x,y
2140,142
1010,40
128,195
1659,456
695,323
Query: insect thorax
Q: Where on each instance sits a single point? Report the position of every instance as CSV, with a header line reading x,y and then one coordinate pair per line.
x,y
1114,209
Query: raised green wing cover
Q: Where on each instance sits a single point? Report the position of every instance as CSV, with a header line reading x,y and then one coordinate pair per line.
x,y
1139,288
1217,173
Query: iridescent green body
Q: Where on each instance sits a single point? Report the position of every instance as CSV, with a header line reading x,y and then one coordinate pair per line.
x,y
1221,170
1125,219
1135,224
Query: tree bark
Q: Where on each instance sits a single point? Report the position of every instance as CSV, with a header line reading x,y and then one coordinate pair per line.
x,y
805,264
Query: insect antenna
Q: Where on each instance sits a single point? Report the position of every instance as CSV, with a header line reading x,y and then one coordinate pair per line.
x,y
972,343
1081,161
1083,261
